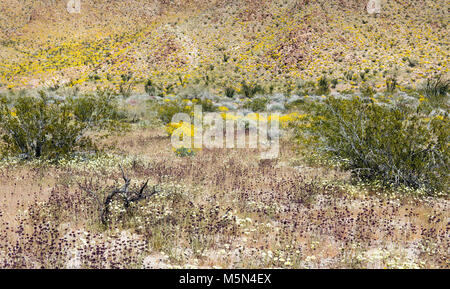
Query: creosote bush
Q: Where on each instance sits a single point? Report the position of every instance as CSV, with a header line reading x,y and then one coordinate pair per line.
x,y
395,145
53,127
229,92
323,86
256,104
169,108
249,90
436,90
391,84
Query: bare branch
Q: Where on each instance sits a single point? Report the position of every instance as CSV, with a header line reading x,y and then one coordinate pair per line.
x,y
143,188
126,196
123,174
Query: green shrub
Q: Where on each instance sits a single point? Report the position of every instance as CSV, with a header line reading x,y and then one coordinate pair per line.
x,y
411,62
126,85
184,152
349,75
52,127
257,104
150,88
391,84
334,82
367,90
207,104
229,92
394,145
168,109
436,90
306,88
323,86
250,89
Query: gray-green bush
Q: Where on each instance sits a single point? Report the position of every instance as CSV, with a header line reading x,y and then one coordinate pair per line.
x,y
394,145
53,127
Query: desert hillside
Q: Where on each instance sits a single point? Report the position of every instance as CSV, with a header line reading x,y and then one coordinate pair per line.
x,y
177,43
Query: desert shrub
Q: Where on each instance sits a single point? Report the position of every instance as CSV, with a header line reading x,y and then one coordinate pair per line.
x,y
257,104
207,104
52,127
306,88
367,90
362,75
394,145
334,82
126,85
151,88
411,62
323,86
349,75
184,152
391,84
169,108
436,90
229,92
294,102
250,89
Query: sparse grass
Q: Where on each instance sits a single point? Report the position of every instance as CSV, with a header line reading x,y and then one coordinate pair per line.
x,y
218,208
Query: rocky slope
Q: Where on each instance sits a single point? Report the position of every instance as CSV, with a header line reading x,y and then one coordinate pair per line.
x,y
278,44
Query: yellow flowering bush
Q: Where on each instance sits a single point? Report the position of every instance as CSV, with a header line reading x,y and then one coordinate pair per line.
x,y
223,108
183,129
